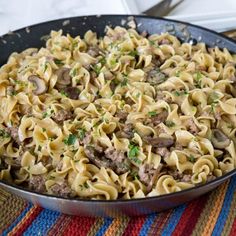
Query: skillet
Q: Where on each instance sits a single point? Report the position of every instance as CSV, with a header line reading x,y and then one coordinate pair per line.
x,y
34,36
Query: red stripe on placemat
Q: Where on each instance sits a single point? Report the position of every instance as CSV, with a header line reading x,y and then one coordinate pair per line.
x,y
190,217
26,221
134,226
159,223
233,229
60,226
79,226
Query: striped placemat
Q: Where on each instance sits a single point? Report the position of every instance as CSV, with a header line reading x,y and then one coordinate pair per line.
x,y
211,214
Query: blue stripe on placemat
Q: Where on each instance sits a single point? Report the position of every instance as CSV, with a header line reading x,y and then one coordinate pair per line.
x,y
225,208
104,227
173,221
147,224
18,219
44,221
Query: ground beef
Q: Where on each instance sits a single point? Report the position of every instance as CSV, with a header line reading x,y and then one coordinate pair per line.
x,y
62,190
192,127
164,41
158,141
210,177
155,77
37,183
71,92
104,159
186,178
122,115
114,155
159,118
93,51
148,175
126,132
163,151
14,134
62,115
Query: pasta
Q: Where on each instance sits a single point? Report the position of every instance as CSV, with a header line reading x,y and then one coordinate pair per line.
x,y
122,116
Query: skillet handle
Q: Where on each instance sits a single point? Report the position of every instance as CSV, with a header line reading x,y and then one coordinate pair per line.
x,y
230,34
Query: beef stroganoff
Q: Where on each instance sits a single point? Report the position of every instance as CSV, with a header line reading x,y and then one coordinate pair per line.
x,y
118,117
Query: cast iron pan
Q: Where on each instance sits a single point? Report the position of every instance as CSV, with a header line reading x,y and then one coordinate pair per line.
x,y
33,37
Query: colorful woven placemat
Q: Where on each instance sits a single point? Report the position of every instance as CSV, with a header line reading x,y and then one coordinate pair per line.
x,y
212,214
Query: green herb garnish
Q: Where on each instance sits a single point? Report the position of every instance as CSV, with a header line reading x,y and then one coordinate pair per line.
x,y
4,134
96,69
152,113
133,153
133,53
63,93
169,123
198,79
191,158
45,67
58,62
180,93
103,61
73,72
44,130
124,82
70,140
81,133
177,74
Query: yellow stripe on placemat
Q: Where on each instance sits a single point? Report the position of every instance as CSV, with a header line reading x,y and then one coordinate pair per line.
x,y
96,226
117,227
211,212
3,196
10,210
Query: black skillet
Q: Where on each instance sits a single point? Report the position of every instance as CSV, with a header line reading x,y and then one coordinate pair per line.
x,y
34,36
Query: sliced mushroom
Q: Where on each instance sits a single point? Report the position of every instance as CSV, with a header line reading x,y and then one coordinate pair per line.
x,y
219,139
155,77
159,141
38,83
71,92
63,77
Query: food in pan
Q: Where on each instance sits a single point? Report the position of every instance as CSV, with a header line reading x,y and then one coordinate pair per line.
x,y
123,116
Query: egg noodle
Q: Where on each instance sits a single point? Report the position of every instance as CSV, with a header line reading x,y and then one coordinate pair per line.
x,y
122,116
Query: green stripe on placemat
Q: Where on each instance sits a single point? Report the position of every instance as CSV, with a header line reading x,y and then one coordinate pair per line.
x,y
212,214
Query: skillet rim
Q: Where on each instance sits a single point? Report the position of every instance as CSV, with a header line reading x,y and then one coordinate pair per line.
x,y
221,179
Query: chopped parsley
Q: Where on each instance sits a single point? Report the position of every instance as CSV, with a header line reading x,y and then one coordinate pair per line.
x,y
113,62
70,140
124,82
177,73
133,53
198,80
180,93
44,130
133,153
152,42
48,113
213,98
58,62
152,113
13,93
84,186
39,148
73,72
97,69
135,175
103,61
45,67
191,158
169,123
63,93
81,133
4,134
